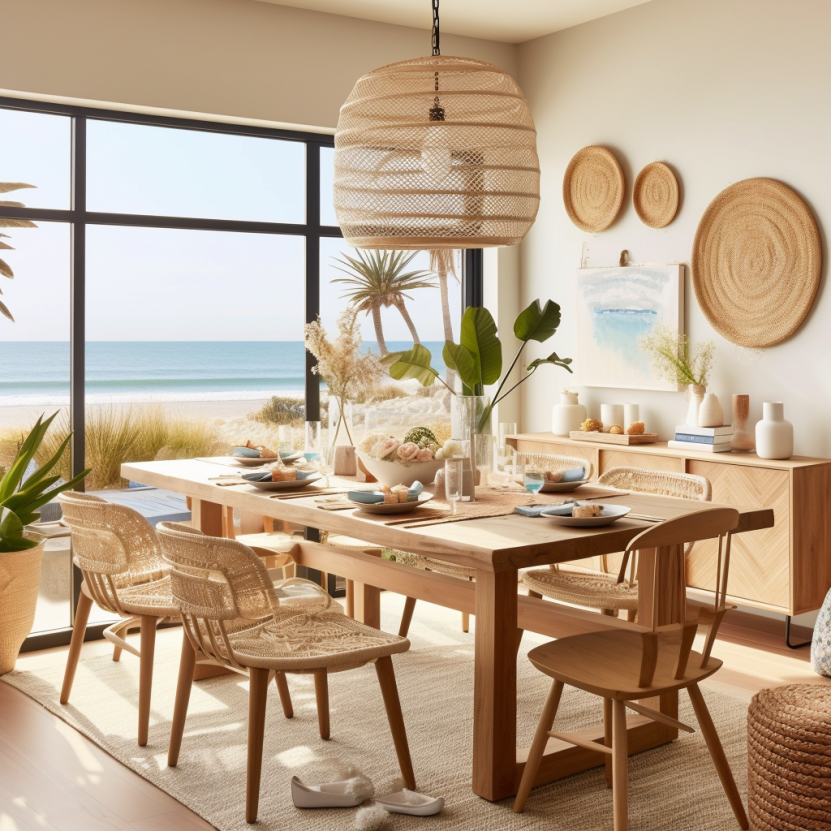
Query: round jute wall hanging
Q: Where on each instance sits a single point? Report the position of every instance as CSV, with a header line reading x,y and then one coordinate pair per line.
x,y
593,189
756,262
655,195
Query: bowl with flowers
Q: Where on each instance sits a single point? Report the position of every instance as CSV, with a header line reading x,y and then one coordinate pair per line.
x,y
415,457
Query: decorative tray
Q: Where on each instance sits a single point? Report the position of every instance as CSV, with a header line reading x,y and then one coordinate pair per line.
x,y
613,438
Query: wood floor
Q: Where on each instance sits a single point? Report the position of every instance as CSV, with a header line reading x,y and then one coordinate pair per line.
x,y
53,778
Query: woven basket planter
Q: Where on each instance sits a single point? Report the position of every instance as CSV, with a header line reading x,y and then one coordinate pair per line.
x,y
789,759
19,585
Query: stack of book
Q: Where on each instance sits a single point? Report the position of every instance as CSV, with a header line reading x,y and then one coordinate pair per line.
x,y
702,439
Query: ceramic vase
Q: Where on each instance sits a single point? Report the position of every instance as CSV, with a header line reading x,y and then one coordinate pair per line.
x,y
568,415
774,435
742,440
710,413
695,395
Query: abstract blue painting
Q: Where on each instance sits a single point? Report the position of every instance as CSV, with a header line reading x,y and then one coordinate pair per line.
x,y
615,308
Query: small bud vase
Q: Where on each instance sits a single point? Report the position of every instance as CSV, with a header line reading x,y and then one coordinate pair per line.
x,y
695,395
710,413
774,435
568,415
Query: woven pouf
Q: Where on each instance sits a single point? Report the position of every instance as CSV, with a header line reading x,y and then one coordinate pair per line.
x,y
789,759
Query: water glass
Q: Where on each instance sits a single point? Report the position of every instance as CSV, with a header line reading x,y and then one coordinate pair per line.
x,y
454,477
313,440
534,479
284,435
326,462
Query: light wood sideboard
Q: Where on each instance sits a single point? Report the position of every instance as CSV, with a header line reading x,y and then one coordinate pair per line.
x,y
784,569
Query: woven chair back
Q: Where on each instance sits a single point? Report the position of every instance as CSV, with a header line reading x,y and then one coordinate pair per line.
x,y
550,461
658,482
668,540
113,545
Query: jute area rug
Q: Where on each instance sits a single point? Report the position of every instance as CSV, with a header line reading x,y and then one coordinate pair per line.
x,y
674,786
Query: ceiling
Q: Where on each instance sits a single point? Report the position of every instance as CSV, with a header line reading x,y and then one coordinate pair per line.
x,y
512,22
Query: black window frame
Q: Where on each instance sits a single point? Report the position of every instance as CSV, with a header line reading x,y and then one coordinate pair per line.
x,y
79,218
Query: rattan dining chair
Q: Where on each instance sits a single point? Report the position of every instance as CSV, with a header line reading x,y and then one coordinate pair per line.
x,y
543,460
119,557
233,617
625,666
612,593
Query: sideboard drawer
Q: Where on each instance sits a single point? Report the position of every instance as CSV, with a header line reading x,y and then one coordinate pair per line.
x,y
760,561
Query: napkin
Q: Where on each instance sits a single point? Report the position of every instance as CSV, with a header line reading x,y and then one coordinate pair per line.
x,y
543,510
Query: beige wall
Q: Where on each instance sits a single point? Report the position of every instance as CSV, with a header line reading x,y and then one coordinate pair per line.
x,y
722,90
235,58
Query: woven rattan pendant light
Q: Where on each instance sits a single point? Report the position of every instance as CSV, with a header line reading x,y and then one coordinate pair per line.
x,y
436,152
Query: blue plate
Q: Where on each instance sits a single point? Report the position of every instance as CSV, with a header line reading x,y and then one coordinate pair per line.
x,y
365,497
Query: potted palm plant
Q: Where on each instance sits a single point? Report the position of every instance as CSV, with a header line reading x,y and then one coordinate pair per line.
x,y
21,552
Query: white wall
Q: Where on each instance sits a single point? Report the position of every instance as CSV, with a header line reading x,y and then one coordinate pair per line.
x,y
238,59
722,90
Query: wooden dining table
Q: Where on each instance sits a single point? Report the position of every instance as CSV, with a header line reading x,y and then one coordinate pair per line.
x,y
497,547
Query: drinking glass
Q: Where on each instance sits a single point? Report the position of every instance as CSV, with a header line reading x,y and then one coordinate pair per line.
x,y
505,454
285,437
326,462
313,437
454,473
534,480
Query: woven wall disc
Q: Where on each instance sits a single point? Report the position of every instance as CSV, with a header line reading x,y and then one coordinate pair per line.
x,y
756,262
655,195
593,189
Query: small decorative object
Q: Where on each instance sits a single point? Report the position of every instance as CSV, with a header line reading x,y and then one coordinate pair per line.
x,y
346,462
631,413
392,461
636,428
21,553
412,803
348,792
774,435
611,414
821,641
673,361
615,438
616,430
655,195
756,262
710,413
616,307
568,415
592,425
742,440
593,188
437,152
349,373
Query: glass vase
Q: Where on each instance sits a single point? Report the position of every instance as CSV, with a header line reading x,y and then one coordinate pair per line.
x,y
469,423
341,427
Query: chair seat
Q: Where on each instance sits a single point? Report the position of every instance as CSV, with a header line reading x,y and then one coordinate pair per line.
x,y
151,598
597,591
448,569
608,664
293,642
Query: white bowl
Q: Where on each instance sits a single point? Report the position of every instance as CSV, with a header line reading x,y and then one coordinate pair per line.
x,y
393,473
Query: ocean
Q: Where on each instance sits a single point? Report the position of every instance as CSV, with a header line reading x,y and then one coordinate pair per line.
x,y
37,372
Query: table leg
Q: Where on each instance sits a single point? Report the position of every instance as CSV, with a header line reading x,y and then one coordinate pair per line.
x,y
365,600
494,689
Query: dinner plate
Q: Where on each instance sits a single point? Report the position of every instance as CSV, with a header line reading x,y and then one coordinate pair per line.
x,y
562,487
608,515
266,460
394,507
282,486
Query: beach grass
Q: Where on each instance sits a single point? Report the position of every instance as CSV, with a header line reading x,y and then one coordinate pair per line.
x,y
115,435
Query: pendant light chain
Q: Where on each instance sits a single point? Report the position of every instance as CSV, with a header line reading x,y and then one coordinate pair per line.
x,y
436,33
436,111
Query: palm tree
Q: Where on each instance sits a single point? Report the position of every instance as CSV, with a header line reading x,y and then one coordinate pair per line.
x,y
5,268
377,280
443,263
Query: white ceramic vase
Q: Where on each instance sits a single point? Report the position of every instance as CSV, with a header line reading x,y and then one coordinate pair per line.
x,y
710,413
568,415
774,435
611,414
695,395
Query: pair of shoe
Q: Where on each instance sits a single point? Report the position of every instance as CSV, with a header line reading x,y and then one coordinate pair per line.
x,y
348,793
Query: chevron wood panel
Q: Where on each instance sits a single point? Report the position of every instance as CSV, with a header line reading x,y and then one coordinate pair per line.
x,y
760,562
625,458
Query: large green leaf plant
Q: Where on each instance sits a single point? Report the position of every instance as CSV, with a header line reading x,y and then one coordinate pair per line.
x,y
20,499
477,358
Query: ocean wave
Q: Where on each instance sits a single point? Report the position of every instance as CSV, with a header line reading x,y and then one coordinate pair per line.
x,y
144,398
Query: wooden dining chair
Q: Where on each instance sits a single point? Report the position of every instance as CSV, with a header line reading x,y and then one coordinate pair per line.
x,y
119,557
545,461
233,617
623,666
615,592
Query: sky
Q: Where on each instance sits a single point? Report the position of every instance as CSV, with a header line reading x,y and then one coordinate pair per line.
x,y
162,284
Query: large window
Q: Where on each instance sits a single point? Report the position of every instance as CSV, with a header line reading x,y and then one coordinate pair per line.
x,y
164,270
